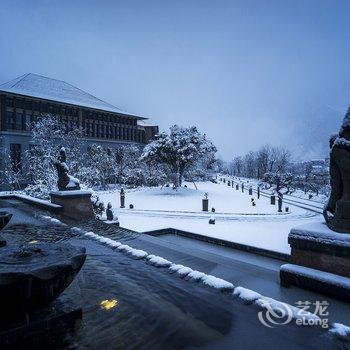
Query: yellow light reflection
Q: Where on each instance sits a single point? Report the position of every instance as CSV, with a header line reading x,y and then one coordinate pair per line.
x,y
109,304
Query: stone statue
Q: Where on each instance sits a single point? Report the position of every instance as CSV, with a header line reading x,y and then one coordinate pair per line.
x,y
65,181
337,209
109,212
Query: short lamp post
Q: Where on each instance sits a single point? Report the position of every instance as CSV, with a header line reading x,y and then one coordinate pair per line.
x,y
272,199
122,198
205,202
280,204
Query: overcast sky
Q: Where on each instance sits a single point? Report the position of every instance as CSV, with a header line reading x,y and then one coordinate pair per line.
x,y
245,72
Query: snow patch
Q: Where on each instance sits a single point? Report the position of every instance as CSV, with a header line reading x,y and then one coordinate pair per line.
x,y
180,269
158,261
247,295
196,275
216,282
340,330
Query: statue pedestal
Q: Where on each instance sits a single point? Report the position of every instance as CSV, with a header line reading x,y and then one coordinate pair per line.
x,y
76,204
320,260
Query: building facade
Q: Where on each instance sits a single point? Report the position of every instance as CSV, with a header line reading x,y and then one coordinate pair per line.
x,y
29,97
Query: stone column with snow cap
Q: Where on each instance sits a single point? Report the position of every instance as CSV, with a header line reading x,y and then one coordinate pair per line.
x,y
76,203
320,251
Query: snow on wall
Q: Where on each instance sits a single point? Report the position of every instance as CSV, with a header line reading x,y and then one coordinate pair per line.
x,y
319,232
322,276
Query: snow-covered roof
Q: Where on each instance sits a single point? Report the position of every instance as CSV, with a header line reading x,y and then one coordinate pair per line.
x,y
142,123
35,85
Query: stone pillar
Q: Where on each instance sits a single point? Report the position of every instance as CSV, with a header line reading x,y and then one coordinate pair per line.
x,y
273,200
205,204
258,192
250,191
76,204
280,204
122,198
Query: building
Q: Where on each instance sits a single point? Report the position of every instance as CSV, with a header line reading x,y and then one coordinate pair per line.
x,y
26,98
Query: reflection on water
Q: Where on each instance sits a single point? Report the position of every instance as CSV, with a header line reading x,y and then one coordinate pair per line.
x,y
154,310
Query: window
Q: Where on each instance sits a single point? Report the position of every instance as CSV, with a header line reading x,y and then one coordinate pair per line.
x,y
15,153
9,101
36,106
10,121
18,122
28,104
19,103
28,121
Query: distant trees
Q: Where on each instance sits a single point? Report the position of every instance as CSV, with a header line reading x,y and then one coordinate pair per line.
x,y
267,159
273,165
181,150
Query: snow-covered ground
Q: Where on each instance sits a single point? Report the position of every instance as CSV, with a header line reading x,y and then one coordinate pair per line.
x,y
236,219
223,198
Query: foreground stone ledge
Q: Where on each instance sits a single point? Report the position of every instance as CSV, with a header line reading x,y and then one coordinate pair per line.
x,y
316,280
320,260
314,245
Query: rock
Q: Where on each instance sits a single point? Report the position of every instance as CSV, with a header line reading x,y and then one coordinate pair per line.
x,y
33,275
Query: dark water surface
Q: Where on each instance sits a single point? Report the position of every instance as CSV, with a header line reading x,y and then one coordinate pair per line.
x,y
157,310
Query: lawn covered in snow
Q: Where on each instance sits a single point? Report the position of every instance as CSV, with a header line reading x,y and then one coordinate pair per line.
x,y
236,219
223,198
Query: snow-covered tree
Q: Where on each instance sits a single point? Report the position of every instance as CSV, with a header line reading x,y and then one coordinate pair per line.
x,y
48,135
11,174
127,164
179,149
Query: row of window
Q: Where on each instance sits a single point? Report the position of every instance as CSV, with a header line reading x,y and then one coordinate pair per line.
x,y
64,110
93,129
17,120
